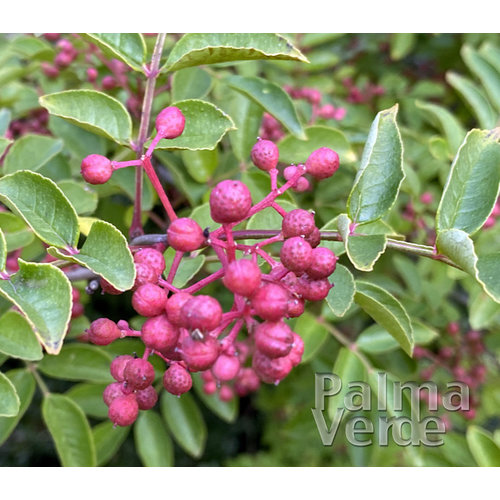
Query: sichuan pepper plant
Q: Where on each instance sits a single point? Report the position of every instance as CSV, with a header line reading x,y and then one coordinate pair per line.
x,y
216,239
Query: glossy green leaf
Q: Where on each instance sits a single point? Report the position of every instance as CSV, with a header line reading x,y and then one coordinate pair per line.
x,y
42,205
17,339
4,144
247,116
200,164
402,44
491,53
206,125
473,183
272,98
482,446
31,47
387,311
152,442
108,439
80,195
185,422
194,49
295,150
78,361
3,251
190,83
88,396
458,246
380,175
448,123
31,152
363,250
226,410
484,71
43,293
188,267
483,312
25,385
129,48
341,296
474,97
313,333
375,339
93,111
16,232
106,253
70,431
9,400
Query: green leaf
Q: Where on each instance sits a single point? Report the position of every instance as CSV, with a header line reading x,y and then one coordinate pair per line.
x,y
5,117
16,233
31,47
80,195
17,339
272,98
43,293
185,422
4,144
484,71
296,150
31,152
206,125
474,97
473,183
42,205
25,385
376,340
9,400
458,246
70,431
363,250
3,251
152,442
106,253
313,333
93,111
194,49
226,410
381,172
190,83
491,53
129,48
108,439
78,362
247,116
482,446
402,44
483,312
200,164
448,123
341,296
88,396
188,267
387,311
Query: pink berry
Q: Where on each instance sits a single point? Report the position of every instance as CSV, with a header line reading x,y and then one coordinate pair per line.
x,y
426,198
174,306
146,398
49,70
243,277
265,155
118,366
159,334
301,185
139,374
296,254
144,273
295,307
111,392
109,82
226,367
96,169
199,355
103,331
274,339
92,74
322,163
295,354
185,235
226,393
314,290
270,370
297,222
323,263
123,411
177,380
246,382
314,239
230,201
149,300
64,59
152,258
201,312
210,387
270,302
170,122
453,328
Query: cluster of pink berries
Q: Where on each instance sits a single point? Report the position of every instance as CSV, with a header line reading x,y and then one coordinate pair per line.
x,y
67,53
190,331
35,122
357,95
460,359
